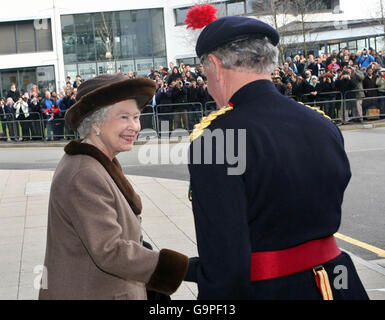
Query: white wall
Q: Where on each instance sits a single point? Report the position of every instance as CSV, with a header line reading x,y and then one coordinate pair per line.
x,y
179,41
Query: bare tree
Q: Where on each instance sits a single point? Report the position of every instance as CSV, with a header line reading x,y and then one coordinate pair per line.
x,y
105,32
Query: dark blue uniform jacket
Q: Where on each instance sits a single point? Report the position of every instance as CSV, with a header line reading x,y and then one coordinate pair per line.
x,y
291,192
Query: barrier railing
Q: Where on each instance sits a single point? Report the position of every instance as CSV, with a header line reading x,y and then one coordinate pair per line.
x,y
165,118
170,117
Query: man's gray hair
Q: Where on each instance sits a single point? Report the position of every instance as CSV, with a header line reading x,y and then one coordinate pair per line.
x,y
99,116
253,55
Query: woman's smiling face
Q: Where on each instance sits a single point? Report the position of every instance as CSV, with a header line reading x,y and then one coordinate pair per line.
x,y
121,129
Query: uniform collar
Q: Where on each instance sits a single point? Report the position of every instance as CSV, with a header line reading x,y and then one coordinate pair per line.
x,y
251,91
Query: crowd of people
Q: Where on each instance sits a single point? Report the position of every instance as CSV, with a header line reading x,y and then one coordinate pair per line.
x,y
358,78
182,94
36,115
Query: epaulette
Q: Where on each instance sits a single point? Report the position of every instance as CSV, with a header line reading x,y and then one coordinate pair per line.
x,y
206,121
200,127
318,110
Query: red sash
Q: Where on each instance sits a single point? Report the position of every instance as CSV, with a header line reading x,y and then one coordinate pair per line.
x,y
274,264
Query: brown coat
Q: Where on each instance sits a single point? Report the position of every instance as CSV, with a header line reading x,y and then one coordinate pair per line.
x,y
94,242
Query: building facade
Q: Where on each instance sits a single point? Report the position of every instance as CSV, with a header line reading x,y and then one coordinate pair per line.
x,y
43,42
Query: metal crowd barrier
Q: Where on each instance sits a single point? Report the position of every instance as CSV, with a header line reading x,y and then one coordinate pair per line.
x,y
171,117
165,118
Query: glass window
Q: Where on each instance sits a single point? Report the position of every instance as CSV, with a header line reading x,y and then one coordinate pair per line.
x,y
180,15
68,38
106,67
87,70
43,35
221,7
27,77
143,41
45,77
7,38
25,37
158,36
372,42
127,35
104,35
352,45
380,43
258,6
333,47
235,8
125,66
362,44
70,70
7,78
343,45
143,66
85,42
159,61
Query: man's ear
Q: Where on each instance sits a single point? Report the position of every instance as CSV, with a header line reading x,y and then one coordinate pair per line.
x,y
216,65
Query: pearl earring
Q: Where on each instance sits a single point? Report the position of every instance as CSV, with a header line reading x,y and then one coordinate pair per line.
x,y
98,132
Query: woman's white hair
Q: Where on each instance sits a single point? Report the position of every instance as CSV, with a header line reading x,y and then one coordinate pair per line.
x,y
253,55
99,116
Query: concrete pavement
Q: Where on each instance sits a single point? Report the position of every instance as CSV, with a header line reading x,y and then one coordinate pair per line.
x,y
167,223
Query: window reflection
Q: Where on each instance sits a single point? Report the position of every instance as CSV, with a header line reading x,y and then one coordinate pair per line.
x,y
120,41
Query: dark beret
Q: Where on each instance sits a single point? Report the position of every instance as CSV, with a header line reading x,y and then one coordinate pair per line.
x,y
230,29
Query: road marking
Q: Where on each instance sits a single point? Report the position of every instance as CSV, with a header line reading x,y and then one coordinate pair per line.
x,y
381,290
378,251
365,150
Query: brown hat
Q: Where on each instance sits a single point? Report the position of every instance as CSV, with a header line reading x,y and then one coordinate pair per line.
x,y
106,90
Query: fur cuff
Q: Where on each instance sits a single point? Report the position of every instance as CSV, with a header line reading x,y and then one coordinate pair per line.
x,y
169,272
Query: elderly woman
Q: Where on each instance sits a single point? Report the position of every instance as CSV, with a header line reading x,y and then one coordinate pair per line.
x,y
94,243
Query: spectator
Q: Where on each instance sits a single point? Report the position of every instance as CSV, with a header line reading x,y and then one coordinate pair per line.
x,y
77,82
334,65
164,74
34,91
204,97
65,103
301,67
188,69
279,85
174,75
179,98
308,75
358,78
344,85
289,89
151,75
312,65
190,76
195,108
163,98
7,118
328,94
365,60
370,87
13,93
34,110
23,117
315,89
380,59
50,112
199,72
380,82
300,88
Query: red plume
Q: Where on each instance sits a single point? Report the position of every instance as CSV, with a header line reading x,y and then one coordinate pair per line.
x,y
200,16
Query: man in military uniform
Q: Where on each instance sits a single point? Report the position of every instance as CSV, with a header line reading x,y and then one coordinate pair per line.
x,y
267,232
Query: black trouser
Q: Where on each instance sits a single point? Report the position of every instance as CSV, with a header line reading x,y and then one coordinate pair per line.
x,y
26,128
